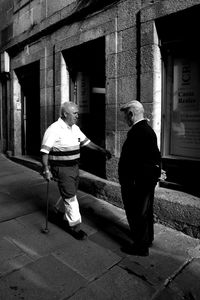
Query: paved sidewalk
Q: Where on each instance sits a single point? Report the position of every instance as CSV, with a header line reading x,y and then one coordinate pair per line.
x,y
56,266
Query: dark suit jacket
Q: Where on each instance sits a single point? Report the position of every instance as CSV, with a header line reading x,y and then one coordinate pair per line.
x,y
140,157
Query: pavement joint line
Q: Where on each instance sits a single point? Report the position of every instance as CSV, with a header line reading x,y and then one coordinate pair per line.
x,y
178,271
21,215
172,277
143,277
24,249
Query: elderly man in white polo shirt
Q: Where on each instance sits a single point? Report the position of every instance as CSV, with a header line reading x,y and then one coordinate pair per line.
x,y
60,159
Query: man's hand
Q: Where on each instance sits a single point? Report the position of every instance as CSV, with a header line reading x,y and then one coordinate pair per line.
x,y
47,175
163,175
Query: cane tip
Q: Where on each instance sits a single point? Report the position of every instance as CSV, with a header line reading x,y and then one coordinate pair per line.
x,y
45,230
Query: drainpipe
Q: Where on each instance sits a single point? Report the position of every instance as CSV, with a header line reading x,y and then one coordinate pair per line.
x,y
138,56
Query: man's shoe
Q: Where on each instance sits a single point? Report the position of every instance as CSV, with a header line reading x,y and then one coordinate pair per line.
x,y
135,250
79,235
74,231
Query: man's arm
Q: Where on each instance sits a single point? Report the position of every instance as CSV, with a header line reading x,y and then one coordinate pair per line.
x,y
95,147
46,172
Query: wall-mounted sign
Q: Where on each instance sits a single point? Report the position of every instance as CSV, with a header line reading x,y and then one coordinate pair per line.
x,y
185,109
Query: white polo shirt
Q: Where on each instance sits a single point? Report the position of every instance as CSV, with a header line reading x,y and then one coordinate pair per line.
x,y
63,142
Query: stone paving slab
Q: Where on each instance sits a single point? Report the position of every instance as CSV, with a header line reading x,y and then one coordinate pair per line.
x,y
90,292
117,284
150,270
26,193
11,207
8,249
110,239
13,264
188,280
33,242
11,257
47,278
87,258
167,294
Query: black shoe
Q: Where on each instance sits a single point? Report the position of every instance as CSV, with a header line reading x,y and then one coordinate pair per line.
x,y
79,235
135,250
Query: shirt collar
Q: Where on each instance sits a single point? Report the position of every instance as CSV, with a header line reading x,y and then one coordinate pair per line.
x,y
139,121
63,124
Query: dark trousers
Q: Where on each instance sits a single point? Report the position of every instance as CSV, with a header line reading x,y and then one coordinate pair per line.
x,y
138,204
67,178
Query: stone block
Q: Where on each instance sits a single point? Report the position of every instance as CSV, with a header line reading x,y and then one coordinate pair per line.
x,y
68,43
34,47
37,12
67,10
54,6
150,59
111,115
112,174
42,97
111,46
127,13
148,33
163,8
49,96
127,89
126,63
111,86
92,34
146,87
58,94
121,90
100,20
111,66
129,39
23,21
66,32
111,141
49,77
46,62
42,78
53,19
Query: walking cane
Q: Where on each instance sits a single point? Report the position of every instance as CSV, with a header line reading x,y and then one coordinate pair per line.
x,y
46,229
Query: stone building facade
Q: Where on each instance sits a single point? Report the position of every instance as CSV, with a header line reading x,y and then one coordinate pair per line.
x,y
102,54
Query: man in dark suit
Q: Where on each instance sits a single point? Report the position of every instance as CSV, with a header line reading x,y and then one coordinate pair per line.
x,y
139,169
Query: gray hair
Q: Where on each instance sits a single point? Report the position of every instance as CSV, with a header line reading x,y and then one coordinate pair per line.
x,y
66,107
134,105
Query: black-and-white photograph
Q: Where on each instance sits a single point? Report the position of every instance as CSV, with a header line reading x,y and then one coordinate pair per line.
x,y
99,150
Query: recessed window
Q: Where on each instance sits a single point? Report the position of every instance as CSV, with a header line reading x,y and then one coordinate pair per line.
x,y
182,106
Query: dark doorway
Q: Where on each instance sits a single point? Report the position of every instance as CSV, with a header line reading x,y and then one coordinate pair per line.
x,y
29,78
86,66
5,121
